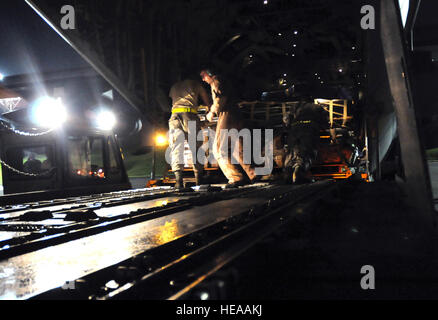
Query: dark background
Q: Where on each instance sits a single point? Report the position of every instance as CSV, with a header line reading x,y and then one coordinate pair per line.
x,y
28,44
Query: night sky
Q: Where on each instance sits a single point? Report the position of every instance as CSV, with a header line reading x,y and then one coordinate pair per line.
x,y
28,44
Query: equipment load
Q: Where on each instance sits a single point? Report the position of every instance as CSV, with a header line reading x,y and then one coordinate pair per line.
x,y
312,141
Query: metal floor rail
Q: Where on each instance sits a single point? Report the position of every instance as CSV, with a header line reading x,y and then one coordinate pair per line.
x,y
119,248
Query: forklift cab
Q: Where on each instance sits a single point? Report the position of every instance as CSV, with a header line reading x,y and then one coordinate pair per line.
x,y
68,161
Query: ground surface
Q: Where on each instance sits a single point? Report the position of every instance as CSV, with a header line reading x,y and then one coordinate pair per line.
x,y
321,257
433,172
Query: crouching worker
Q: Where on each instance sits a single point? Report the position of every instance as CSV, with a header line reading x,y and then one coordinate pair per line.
x,y
184,124
304,124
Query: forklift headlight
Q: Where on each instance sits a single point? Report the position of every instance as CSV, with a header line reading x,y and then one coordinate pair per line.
x,y
106,120
49,112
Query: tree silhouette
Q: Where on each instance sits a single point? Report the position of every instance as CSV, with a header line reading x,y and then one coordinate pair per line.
x,y
148,44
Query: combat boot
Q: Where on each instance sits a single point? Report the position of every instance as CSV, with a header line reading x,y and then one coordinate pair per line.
x,y
300,174
234,185
199,177
179,180
296,175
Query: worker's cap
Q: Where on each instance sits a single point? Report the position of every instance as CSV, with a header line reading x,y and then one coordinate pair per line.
x,y
207,71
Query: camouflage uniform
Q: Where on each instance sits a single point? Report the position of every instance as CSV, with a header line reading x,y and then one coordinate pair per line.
x,y
303,139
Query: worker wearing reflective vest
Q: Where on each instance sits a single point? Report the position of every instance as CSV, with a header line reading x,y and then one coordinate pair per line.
x,y
185,122
228,118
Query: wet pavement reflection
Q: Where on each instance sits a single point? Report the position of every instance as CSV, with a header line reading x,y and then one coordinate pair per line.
x,y
30,274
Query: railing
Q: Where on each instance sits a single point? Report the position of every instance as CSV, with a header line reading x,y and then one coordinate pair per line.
x,y
272,113
337,109
267,112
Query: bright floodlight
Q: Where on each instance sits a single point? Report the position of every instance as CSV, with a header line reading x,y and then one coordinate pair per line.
x,y
49,112
106,120
1,76
161,140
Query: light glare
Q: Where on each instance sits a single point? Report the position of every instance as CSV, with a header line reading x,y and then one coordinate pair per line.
x,y
204,296
49,112
160,140
106,120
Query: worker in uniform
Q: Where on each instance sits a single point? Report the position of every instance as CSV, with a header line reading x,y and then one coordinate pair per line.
x,y
228,118
32,165
304,124
183,123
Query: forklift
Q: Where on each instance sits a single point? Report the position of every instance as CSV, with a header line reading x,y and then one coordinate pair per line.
x,y
57,159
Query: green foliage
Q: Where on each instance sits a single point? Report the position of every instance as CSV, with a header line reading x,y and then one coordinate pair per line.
x,y
432,154
140,166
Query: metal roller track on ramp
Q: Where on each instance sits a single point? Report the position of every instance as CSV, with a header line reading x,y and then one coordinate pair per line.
x,y
180,233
